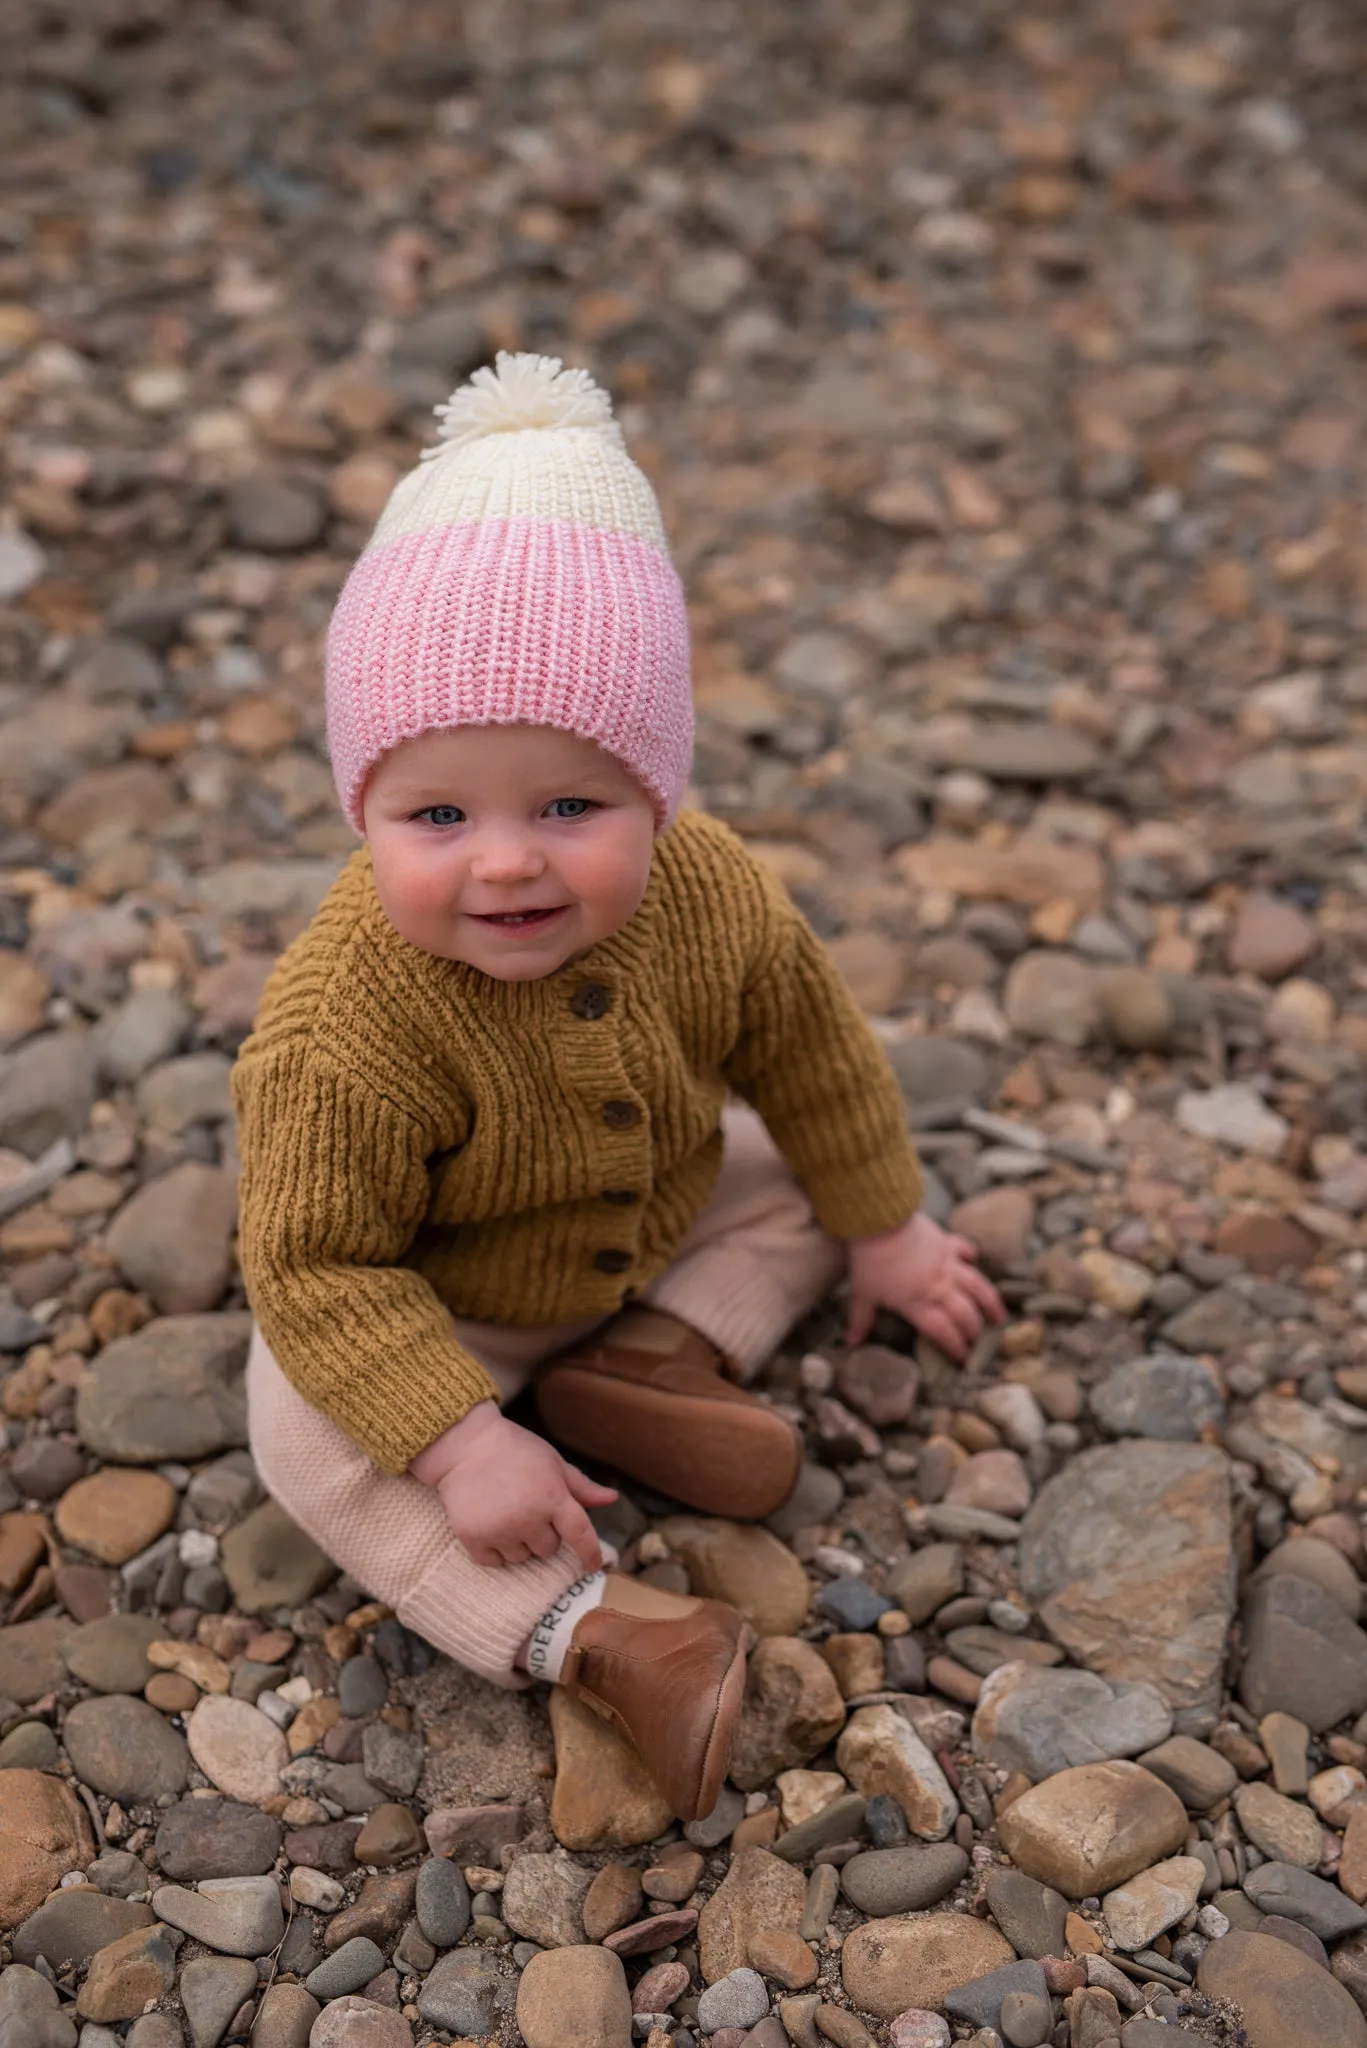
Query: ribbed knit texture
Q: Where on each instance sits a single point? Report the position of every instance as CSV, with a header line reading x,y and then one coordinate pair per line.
x,y
518,575
419,1140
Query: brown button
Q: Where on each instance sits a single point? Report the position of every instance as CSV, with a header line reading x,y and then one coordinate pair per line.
x,y
591,1001
620,1116
612,1261
623,1197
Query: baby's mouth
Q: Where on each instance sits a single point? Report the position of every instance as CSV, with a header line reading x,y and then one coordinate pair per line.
x,y
518,920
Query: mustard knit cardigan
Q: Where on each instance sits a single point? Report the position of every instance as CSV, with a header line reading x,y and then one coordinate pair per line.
x,y
419,1140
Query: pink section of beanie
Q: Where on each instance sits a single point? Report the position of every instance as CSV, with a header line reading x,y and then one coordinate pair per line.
x,y
512,622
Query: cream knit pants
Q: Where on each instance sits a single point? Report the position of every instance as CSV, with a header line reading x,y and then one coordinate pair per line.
x,y
752,1263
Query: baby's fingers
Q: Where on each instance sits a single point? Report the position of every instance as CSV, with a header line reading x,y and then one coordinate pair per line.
x,y
573,1526
587,1491
936,1324
984,1293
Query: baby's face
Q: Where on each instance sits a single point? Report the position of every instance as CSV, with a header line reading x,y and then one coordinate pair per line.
x,y
513,848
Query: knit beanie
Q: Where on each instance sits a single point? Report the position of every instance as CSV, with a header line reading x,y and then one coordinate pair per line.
x,y
519,575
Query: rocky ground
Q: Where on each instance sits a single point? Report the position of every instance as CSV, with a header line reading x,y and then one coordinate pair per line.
x,y
1002,372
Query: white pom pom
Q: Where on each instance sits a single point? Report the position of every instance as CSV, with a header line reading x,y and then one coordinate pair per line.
x,y
521,392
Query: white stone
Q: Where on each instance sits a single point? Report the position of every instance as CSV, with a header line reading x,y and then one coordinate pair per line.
x,y
1139,1911
309,1887
880,1752
1233,1115
804,1793
237,1748
1015,1412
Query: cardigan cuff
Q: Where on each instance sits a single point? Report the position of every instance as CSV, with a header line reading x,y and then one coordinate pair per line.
x,y
877,1195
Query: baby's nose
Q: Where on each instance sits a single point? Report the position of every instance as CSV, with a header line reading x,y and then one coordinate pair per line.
x,y
505,857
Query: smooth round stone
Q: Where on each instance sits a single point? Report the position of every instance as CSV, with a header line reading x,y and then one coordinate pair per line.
x,y
362,1687
124,1748
116,1513
237,1748
111,1654
31,1746
737,2000
1284,1996
346,1969
169,1693
212,1989
316,1889
44,1467
1027,2019
574,1998
882,1882
44,1833
442,1902
917,2029
284,2018
353,2022
390,1835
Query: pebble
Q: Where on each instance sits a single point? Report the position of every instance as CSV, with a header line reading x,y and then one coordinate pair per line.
x,y
1198,1774
215,1838
793,1708
1027,2018
575,1998
239,1916
1283,1996
362,1687
879,1752
212,1990
123,1747
759,1891
74,1924
442,1902
1041,1721
603,1797
353,2022
1303,1655
1149,1903
882,1882
745,1565
1029,1914
391,1834
269,1562
346,1969
170,1391
173,1239
927,1580
113,1515
461,1991
615,1898
111,1654
738,1999
1087,1829
285,2017
886,1963
1280,1827
543,1898
918,2029
851,1604
237,1749
1295,1894
1168,1395
1234,1115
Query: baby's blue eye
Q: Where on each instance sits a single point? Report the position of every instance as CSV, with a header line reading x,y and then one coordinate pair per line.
x,y
569,807
443,814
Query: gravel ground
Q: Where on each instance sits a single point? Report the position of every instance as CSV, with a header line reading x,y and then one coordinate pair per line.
x,y
1001,371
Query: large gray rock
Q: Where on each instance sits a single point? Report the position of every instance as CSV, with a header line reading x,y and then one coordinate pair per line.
x,y
1128,1559
173,1390
1168,1396
1039,1721
173,1239
1303,1655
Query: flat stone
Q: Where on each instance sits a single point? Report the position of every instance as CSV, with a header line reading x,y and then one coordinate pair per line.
x,y
887,1963
238,1916
979,2002
1052,995
381,1909
270,515
461,1991
659,1931
918,2029
1149,1903
212,1989
759,1891
269,1562
999,1222
29,2015
743,1564
72,1925
390,1835
330,1845
1270,937
737,2000
927,1580
474,1834
44,1833
849,1603
31,1746
111,1654
347,1969
1295,1894
882,1882
879,1752
392,1758
1041,1721
237,1748
1127,1557
354,2022
1282,1995
1303,1655
878,1383
442,1902
792,1709
170,1392
1281,1828
815,1498
842,1821
1029,1914
1198,1774
1306,1557
126,1975
115,1514
31,1660
47,1086
543,1899
1168,1396
123,1747
173,1239
613,1900
604,1798
216,1838
1089,1828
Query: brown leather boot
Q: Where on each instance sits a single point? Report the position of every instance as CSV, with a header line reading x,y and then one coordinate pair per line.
x,y
647,1396
669,1672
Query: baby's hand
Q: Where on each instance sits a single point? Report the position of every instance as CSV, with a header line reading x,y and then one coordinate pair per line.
x,y
508,1496
926,1275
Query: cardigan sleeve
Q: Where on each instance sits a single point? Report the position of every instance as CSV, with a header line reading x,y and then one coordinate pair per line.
x,y
806,1059
334,1188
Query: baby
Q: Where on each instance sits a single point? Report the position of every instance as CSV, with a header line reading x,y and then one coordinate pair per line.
x,y
557,1082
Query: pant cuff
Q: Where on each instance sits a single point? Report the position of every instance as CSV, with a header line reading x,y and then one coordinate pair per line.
x,y
732,1300
481,1614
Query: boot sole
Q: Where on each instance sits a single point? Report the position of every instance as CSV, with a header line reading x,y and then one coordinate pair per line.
x,y
743,1462
721,1741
